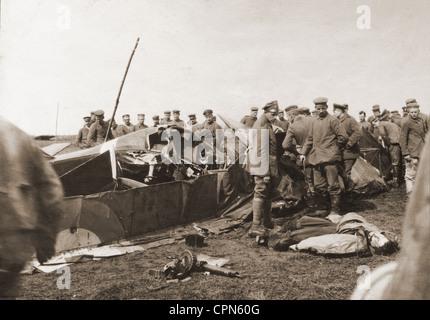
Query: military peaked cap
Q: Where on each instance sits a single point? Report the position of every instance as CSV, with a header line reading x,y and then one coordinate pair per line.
x,y
320,100
292,107
303,110
339,106
384,115
207,111
413,105
376,107
272,106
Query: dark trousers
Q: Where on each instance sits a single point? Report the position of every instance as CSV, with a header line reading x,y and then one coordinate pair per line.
x,y
346,174
263,190
348,164
395,154
326,179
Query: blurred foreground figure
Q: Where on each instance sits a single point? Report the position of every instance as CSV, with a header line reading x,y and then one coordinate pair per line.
x,y
408,278
31,198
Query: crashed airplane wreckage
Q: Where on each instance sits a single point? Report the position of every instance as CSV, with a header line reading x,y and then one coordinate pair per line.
x,y
131,186
139,183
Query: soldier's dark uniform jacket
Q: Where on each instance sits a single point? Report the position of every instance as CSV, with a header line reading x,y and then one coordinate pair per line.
x,y
365,125
248,121
353,130
212,127
123,129
263,123
283,124
139,126
412,136
83,134
396,119
179,123
325,138
298,130
389,131
97,133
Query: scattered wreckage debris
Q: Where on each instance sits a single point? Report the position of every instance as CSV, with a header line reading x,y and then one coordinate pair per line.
x,y
194,240
179,269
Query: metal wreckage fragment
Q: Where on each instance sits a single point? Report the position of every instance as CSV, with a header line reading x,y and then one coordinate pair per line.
x,y
186,263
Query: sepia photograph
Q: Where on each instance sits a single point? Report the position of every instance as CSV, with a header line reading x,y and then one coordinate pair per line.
x,y
214,156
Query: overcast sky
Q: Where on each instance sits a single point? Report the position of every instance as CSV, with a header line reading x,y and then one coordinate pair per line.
x,y
227,55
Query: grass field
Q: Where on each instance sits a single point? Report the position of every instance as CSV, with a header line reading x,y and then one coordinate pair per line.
x,y
267,274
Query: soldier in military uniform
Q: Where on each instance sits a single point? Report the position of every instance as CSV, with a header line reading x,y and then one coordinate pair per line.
x,y
116,130
122,129
396,118
376,109
366,125
176,119
288,109
249,120
81,140
166,120
352,149
93,118
294,140
192,120
98,130
423,116
281,121
412,139
390,133
209,123
140,122
323,145
264,181
156,120
127,127
303,111
209,126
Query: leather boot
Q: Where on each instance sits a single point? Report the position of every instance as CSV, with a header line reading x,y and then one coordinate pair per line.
x,y
395,182
335,205
267,215
334,215
257,218
311,201
322,206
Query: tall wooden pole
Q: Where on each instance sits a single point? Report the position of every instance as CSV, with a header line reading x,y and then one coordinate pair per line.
x,y
120,90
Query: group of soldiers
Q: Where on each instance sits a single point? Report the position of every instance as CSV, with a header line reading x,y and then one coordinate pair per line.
x,y
324,145
327,146
96,128
402,136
